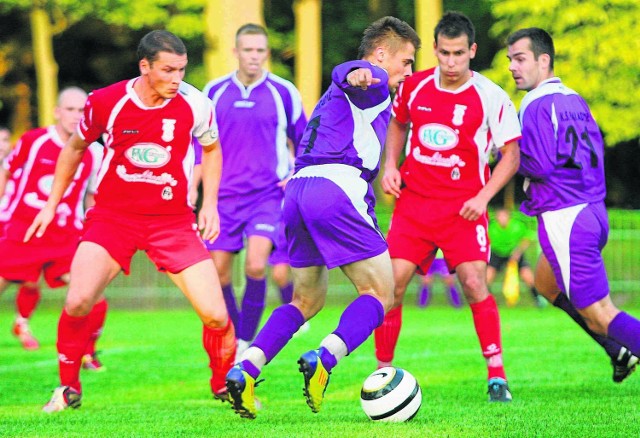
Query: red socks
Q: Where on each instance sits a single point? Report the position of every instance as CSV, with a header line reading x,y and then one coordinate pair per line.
x,y
487,323
73,337
27,299
386,336
220,344
96,322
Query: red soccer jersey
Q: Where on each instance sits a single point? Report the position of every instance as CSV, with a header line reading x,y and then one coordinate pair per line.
x,y
32,164
452,133
148,159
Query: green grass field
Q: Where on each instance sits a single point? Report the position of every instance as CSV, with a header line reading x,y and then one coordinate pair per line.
x,y
157,381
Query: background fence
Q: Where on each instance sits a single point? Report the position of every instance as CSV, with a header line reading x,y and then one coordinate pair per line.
x,y
147,288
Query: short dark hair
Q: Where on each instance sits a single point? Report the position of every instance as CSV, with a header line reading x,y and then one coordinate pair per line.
x,y
389,31
454,24
251,29
540,42
159,41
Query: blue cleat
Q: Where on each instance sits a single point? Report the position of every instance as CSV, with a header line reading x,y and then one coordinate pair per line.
x,y
241,390
499,390
316,378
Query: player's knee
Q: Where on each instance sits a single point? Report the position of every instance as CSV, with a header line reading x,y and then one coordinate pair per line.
x,y
215,318
475,289
78,305
256,269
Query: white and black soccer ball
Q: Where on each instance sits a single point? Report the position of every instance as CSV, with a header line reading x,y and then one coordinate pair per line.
x,y
391,394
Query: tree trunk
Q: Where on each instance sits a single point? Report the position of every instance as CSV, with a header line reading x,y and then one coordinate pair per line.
x,y
308,62
222,20
45,63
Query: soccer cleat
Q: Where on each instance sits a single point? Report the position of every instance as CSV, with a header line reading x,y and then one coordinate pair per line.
x,y
63,397
23,333
499,390
222,395
623,365
316,378
241,390
92,363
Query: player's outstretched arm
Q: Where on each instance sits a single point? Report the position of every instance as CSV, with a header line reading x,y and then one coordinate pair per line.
x,y
391,179
208,220
66,167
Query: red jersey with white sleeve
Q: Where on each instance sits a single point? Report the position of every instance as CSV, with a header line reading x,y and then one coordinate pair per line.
x,y
32,165
452,133
148,159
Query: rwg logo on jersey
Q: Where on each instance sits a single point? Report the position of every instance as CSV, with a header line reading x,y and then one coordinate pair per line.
x,y
437,137
148,155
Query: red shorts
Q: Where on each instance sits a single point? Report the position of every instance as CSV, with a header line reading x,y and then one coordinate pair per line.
x,y
419,226
50,255
172,242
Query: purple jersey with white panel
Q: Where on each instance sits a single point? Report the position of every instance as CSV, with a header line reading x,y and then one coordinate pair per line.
x,y
562,157
329,203
255,123
561,150
349,125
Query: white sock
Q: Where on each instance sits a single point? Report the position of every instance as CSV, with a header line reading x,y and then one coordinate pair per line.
x,y
335,346
255,356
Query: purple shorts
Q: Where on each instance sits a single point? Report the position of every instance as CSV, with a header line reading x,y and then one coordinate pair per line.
x,y
330,222
247,215
572,239
438,267
280,253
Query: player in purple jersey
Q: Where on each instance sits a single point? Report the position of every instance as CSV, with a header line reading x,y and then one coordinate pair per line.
x,y
260,117
562,158
329,215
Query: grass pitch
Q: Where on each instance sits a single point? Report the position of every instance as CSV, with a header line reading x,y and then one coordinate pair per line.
x,y
156,384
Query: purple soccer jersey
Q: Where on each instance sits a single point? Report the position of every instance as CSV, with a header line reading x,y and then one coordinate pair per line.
x,y
348,125
562,157
561,150
329,202
255,123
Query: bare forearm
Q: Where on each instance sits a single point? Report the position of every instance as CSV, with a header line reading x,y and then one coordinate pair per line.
x,y
503,172
68,161
211,173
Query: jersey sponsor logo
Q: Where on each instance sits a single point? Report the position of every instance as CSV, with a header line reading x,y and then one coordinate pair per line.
x,y
437,137
147,177
130,131
424,108
168,127
243,104
458,114
149,155
437,159
47,161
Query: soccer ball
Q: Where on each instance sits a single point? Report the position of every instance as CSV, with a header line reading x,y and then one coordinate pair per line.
x,y
391,394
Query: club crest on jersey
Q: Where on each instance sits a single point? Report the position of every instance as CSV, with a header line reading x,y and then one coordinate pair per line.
x,y
167,194
455,174
148,155
437,137
168,126
458,114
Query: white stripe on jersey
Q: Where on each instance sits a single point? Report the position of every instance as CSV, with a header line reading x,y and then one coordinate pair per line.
x,y
28,166
348,179
558,225
365,140
296,99
281,146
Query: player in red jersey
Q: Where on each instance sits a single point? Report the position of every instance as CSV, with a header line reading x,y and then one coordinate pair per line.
x,y
443,187
142,204
26,180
